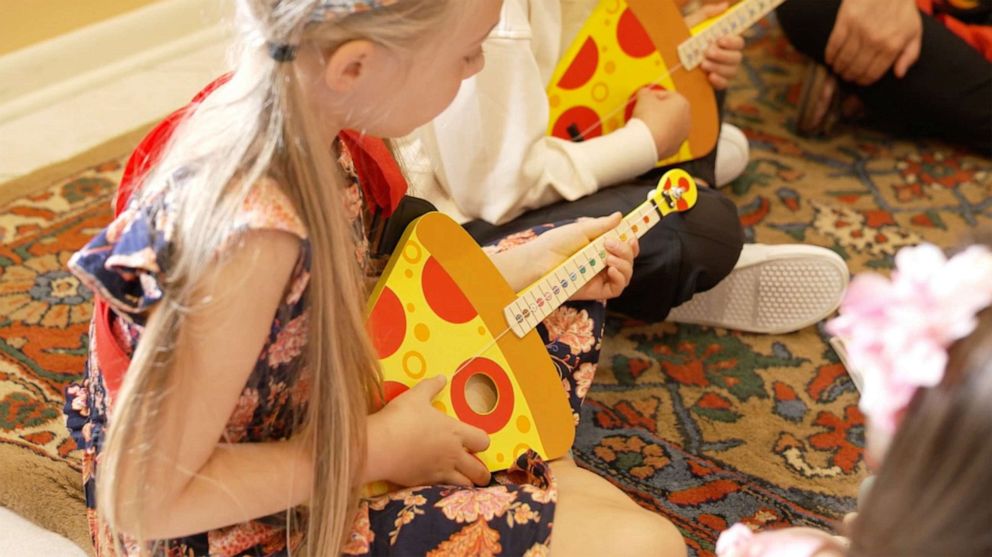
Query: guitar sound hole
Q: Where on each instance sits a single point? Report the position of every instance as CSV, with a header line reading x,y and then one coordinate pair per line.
x,y
481,394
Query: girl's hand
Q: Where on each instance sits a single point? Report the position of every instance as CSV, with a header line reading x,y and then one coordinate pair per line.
x,y
705,12
412,443
667,116
561,243
722,57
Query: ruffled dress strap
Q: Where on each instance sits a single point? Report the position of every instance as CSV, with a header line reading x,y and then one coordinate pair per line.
x,y
126,262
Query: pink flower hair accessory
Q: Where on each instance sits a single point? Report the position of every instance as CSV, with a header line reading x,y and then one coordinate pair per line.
x,y
740,541
897,331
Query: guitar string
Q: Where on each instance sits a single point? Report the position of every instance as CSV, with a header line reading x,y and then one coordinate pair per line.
x,y
667,73
481,352
498,337
486,348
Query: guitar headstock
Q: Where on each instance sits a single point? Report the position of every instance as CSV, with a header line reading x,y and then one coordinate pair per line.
x,y
676,192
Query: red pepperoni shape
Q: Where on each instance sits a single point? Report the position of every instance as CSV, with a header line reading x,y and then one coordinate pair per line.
x,y
387,324
497,418
633,39
578,123
628,112
582,68
443,295
393,389
681,203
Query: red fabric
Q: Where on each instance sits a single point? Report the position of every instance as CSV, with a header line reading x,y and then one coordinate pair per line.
x,y
146,154
978,37
112,358
382,183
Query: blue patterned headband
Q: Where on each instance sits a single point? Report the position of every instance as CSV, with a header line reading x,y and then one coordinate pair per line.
x,y
327,10
334,9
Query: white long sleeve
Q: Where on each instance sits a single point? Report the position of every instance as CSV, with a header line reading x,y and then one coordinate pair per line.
x,y
489,152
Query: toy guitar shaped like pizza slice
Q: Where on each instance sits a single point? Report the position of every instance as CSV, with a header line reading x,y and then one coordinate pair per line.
x,y
442,307
627,45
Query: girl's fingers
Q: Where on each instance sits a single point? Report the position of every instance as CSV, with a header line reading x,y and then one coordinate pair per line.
x,y
455,478
623,268
473,469
718,81
722,56
473,439
623,250
594,228
614,284
705,12
428,388
731,42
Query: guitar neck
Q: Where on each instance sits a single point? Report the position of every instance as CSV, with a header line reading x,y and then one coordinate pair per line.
x,y
743,15
537,301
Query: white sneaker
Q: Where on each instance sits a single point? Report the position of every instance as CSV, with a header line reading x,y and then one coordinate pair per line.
x,y
773,289
732,154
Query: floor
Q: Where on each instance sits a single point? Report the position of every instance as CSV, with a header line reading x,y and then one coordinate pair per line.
x,y
65,129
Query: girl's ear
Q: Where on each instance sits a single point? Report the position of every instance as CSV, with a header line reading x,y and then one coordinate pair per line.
x,y
348,65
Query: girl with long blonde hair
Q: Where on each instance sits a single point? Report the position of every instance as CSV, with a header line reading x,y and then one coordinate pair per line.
x,y
248,418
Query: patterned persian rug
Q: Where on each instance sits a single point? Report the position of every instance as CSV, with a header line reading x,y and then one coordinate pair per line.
x,y
711,427
706,426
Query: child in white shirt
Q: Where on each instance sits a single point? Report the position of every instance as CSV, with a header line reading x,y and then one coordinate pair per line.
x,y
487,161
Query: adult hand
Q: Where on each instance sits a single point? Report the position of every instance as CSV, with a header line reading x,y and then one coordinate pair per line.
x,y
872,36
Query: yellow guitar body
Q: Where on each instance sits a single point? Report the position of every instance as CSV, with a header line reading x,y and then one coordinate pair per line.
x,y
438,310
442,308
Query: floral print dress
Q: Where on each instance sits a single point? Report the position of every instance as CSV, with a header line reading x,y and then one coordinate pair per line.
x,y
512,516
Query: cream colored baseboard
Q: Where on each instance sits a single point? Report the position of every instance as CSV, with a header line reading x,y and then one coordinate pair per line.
x,y
47,73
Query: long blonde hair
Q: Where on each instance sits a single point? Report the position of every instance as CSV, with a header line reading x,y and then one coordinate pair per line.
x,y
257,126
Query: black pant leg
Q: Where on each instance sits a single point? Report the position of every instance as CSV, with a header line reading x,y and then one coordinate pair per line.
x,y
686,253
947,93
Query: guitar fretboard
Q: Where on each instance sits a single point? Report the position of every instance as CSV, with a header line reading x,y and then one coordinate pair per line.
x,y
734,21
538,300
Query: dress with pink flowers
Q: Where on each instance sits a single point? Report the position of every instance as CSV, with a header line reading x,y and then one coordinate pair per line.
x,y
124,265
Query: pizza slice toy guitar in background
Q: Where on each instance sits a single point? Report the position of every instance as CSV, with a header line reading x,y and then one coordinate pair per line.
x,y
442,308
627,45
